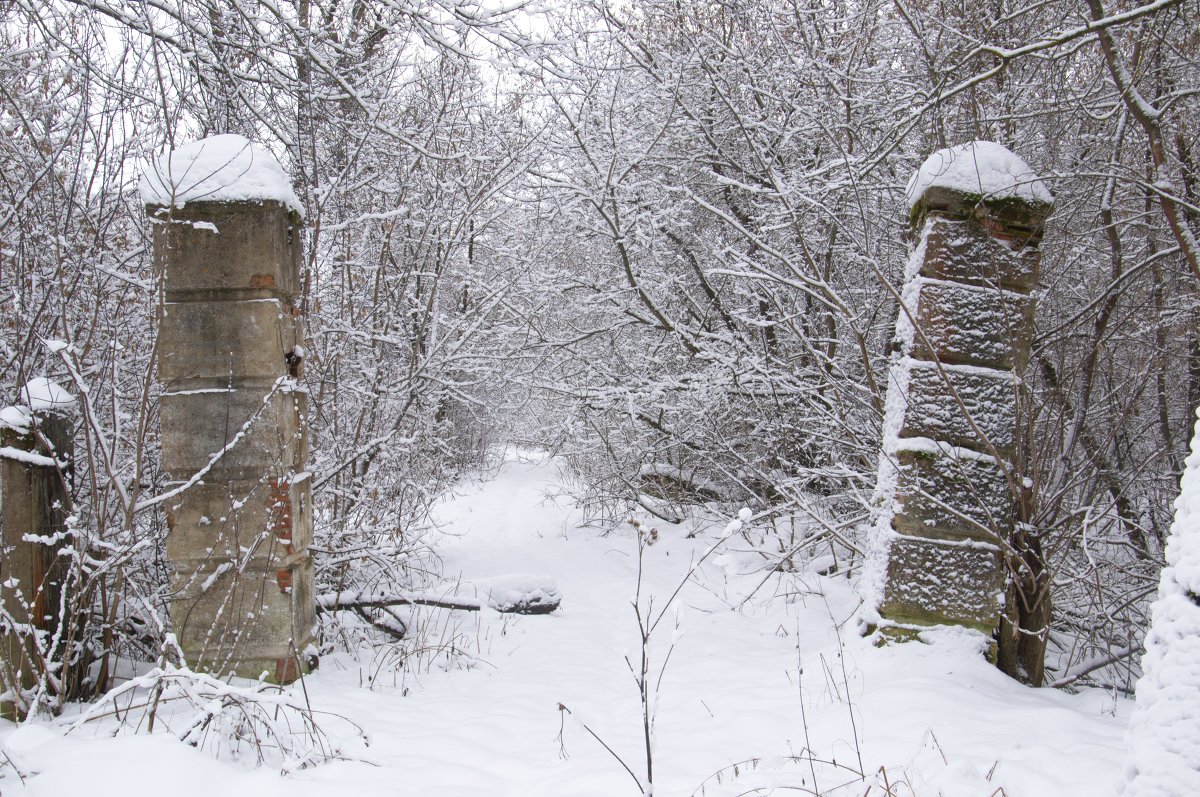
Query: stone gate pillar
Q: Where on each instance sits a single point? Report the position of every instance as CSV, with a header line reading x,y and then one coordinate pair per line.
x,y
227,240
947,484
36,458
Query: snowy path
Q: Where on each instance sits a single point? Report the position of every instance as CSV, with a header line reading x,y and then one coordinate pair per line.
x,y
732,691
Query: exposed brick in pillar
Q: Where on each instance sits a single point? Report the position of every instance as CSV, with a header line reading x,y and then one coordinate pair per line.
x,y
234,440
947,476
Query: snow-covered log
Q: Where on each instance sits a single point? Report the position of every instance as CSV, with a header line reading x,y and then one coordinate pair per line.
x,y
515,594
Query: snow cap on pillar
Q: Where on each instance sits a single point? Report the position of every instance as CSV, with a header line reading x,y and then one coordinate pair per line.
x,y
223,168
45,395
981,179
38,395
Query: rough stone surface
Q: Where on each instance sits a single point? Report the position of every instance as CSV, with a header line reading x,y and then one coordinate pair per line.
x,y
965,252
948,507
941,496
1010,218
988,399
932,582
970,324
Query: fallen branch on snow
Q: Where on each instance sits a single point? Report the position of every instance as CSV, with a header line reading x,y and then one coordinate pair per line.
x,y
515,595
1093,664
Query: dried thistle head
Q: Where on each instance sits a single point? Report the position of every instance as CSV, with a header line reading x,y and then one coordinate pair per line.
x,y
649,535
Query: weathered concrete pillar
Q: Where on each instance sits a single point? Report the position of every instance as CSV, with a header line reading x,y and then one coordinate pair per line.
x,y
36,453
947,485
227,238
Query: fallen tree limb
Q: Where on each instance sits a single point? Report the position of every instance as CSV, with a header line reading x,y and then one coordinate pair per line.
x,y
1095,663
354,600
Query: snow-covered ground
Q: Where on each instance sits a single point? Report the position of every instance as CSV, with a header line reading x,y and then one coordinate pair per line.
x,y
750,682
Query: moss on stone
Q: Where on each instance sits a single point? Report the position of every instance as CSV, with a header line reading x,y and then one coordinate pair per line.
x,y
897,634
966,205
